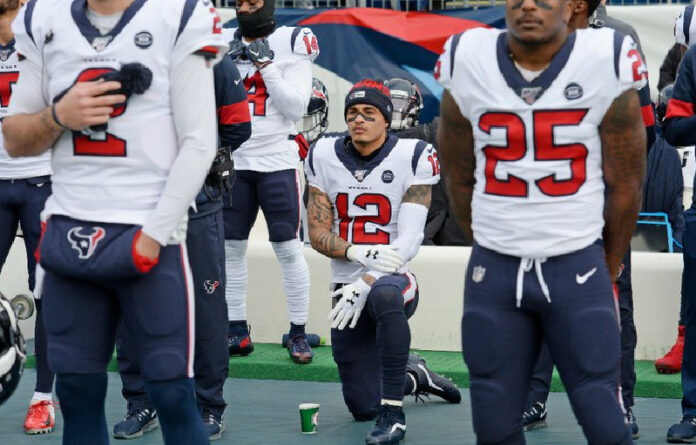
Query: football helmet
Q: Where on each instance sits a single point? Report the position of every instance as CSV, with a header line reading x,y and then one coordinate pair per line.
x,y
12,350
662,102
407,101
316,119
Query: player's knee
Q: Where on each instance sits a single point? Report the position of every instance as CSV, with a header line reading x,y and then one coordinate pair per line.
x,y
164,364
495,420
597,408
385,299
361,409
481,345
289,251
281,231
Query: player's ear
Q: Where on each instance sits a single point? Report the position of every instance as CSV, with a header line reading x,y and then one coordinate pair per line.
x,y
568,10
579,7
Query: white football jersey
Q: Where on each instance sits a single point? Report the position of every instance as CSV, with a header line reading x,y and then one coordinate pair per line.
x,y
15,168
366,195
270,128
539,188
117,175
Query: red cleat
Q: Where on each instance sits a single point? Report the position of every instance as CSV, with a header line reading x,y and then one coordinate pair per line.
x,y
40,418
672,361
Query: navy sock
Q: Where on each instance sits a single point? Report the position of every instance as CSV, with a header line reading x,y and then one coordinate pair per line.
x,y
297,330
81,399
178,414
238,327
393,341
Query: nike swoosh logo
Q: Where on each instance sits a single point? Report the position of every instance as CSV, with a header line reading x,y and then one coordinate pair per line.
x,y
254,53
430,150
581,279
398,426
236,82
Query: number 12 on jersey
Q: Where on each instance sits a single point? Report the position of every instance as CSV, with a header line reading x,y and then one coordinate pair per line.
x,y
352,229
545,149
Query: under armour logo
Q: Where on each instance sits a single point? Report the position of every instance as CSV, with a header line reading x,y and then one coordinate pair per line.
x,y
352,300
85,244
373,255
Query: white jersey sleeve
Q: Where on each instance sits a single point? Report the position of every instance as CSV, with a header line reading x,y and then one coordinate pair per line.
x,y
454,80
314,178
305,44
631,70
200,31
25,30
426,167
443,66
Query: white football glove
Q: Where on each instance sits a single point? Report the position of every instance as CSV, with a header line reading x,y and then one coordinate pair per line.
x,y
381,258
351,304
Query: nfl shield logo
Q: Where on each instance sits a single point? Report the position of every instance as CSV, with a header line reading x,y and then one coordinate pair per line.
x,y
5,54
99,43
478,274
359,175
530,95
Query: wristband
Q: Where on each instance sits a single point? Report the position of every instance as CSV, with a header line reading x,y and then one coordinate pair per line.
x,y
55,117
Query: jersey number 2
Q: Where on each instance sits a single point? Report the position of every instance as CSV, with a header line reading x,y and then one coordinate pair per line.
x,y
355,227
545,149
105,143
7,79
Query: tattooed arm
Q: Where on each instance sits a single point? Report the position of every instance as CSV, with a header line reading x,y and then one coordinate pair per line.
x,y
320,217
455,142
623,162
418,194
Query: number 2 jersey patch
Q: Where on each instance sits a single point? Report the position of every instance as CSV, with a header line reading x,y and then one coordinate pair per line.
x,y
539,188
366,196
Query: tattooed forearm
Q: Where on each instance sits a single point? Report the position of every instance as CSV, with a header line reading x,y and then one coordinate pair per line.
x,y
320,218
455,147
418,194
623,156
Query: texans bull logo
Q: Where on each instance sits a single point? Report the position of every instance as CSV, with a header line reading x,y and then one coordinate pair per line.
x,y
210,286
85,244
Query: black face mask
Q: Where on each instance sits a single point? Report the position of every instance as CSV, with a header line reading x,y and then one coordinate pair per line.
x,y
259,23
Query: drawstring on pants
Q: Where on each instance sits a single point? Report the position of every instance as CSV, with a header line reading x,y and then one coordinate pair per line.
x,y
526,265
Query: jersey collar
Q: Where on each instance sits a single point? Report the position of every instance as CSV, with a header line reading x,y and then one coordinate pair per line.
x,y
359,168
79,14
530,92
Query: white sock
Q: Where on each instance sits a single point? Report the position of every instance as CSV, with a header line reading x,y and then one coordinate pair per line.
x,y
295,278
237,278
41,396
392,402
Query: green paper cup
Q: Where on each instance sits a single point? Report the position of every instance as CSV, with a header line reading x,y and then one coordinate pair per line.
x,y
309,417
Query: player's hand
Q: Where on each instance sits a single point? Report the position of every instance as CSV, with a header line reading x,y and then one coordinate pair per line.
x,y
381,258
87,103
237,48
147,247
259,52
350,306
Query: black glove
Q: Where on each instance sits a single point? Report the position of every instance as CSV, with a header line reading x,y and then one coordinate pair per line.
x,y
221,173
237,48
259,52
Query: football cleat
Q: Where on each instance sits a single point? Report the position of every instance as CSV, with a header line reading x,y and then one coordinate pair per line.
x,y
240,344
534,417
632,423
429,382
299,350
671,363
214,425
41,417
683,432
136,423
390,427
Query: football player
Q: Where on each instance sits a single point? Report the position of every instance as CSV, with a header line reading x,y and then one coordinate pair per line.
x,y
13,351
369,194
678,129
24,186
543,145
315,121
535,413
205,244
276,68
106,86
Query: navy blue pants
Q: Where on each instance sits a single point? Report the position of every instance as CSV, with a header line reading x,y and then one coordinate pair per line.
x,y
540,384
688,373
501,342
278,195
358,351
205,243
21,203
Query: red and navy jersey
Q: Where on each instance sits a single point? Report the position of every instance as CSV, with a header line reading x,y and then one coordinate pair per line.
x,y
680,119
234,120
